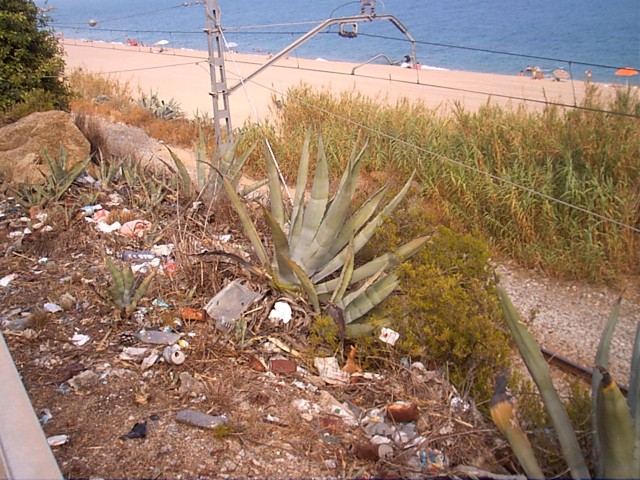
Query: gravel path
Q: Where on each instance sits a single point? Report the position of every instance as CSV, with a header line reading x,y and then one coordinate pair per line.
x,y
568,317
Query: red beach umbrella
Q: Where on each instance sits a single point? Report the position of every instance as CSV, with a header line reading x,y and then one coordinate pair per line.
x,y
626,72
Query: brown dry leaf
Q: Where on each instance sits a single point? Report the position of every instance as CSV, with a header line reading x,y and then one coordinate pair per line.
x,y
256,364
351,366
142,397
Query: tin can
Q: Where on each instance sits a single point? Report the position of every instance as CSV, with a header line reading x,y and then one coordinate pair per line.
x,y
173,355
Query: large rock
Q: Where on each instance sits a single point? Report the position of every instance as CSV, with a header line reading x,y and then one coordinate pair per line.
x,y
23,143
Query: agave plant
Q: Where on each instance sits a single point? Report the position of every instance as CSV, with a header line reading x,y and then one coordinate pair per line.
x,y
57,181
616,420
159,108
126,290
209,173
315,242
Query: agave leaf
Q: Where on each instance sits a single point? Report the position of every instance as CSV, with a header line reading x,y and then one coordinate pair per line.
x,y
247,224
139,293
537,366
364,235
602,358
504,416
185,178
281,247
118,282
305,281
301,185
359,330
235,170
345,277
370,298
338,209
314,211
253,187
615,428
362,288
391,259
200,153
275,192
129,284
356,221
70,177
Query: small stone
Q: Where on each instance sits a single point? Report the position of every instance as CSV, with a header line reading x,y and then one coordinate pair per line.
x,y
190,385
84,380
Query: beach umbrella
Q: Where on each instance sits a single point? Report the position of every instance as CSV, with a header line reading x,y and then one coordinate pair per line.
x,y
162,42
626,72
232,45
560,74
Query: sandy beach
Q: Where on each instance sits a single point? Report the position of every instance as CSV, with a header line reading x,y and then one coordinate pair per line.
x,y
184,76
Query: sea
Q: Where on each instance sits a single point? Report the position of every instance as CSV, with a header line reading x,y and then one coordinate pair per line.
x,y
491,36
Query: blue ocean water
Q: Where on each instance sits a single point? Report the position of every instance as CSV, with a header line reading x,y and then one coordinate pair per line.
x,y
493,36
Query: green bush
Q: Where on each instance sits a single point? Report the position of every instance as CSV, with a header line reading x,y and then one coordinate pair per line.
x,y
447,311
31,63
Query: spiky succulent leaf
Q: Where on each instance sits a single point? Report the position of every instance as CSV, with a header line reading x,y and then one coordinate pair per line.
x,y
602,358
314,210
247,225
615,427
116,291
537,366
139,293
354,223
305,281
360,304
505,418
281,247
345,277
275,198
337,212
185,178
390,259
363,236
301,185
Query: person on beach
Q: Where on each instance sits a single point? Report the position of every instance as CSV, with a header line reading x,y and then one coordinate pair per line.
x,y
406,62
587,75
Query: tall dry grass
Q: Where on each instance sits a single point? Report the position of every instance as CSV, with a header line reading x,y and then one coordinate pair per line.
x,y
107,97
509,175
525,181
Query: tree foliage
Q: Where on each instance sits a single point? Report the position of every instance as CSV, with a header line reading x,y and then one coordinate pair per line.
x,y
31,63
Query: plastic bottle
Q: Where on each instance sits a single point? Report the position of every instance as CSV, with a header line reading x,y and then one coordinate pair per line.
x,y
139,256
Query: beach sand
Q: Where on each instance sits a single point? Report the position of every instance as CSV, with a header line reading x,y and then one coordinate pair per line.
x,y
184,76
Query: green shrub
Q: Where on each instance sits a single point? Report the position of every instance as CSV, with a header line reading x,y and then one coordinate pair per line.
x,y
447,311
30,59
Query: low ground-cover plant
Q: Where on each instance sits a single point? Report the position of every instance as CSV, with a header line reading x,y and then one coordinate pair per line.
x,y
446,310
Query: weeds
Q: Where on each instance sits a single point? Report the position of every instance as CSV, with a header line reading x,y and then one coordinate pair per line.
x,y
492,172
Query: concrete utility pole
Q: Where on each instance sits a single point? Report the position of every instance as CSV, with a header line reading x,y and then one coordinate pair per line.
x,y
219,91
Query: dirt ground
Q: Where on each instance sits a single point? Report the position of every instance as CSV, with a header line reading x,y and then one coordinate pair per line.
x,y
280,424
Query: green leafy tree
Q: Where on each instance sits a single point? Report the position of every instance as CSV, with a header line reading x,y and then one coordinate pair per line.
x,y
31,63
